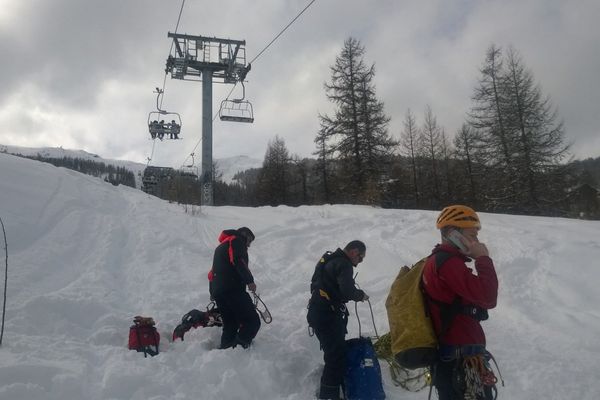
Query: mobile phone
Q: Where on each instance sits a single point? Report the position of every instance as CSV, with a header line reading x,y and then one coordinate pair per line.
x,y
457,238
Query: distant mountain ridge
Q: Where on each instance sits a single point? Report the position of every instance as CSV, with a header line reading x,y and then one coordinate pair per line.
x,y
227,167
230,166
59,152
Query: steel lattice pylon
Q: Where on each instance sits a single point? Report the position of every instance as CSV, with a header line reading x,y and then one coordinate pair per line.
x,y
208,59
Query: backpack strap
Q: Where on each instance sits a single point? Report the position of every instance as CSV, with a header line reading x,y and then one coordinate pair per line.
x,y
139,323
139,339
325,289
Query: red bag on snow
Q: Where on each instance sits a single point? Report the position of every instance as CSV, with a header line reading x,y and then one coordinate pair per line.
x,y
143,336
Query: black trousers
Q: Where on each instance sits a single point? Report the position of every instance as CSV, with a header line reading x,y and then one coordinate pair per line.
x,y
449,378
330,328
240,320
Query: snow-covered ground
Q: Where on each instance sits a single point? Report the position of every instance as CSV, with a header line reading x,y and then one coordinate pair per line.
x,y
85,257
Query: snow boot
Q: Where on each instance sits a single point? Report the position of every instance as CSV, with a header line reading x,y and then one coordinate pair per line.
x,y
329,392
241,342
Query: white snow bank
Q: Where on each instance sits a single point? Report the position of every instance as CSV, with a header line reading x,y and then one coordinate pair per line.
x,y
85,257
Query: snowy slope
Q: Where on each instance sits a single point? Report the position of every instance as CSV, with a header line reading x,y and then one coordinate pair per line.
x,y
59,152
232,165
85,257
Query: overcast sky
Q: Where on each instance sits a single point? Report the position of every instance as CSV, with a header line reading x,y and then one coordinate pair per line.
x,y
81,73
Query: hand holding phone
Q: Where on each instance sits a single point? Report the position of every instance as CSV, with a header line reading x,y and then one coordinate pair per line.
x,y
477,249
468,247
458,240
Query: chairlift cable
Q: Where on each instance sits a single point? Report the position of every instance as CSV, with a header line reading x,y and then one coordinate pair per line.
x,y
226,98
5,280
170,50
213,120
192,152
165,79
281,33
250,118
253,60
152,153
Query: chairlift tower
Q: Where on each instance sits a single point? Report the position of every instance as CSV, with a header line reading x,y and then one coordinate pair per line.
x,y
207,59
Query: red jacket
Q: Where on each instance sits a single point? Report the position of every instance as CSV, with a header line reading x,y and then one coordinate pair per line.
x,y
230,271
454,279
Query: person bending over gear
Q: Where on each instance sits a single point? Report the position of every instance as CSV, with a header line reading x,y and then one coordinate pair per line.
x,y
457,301
228,280
332,285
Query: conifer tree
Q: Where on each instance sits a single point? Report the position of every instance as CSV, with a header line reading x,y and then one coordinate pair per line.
x,y
377,143
409,147
273,181
446,153
518,139
357,133
323,166
539,136
463,143
494,142
430,141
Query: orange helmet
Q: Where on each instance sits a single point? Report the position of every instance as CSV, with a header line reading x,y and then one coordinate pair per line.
x,y
458,216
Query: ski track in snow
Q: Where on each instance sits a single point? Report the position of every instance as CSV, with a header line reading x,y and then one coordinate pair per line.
x,y
85,257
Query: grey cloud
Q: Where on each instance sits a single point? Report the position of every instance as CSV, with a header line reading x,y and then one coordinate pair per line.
x,y
97,60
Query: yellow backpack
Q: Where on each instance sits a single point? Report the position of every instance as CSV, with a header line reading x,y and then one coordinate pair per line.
x,y
413,340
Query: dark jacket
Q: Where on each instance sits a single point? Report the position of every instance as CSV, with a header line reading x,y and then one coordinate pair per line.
x,y
453,279
332,280
230,272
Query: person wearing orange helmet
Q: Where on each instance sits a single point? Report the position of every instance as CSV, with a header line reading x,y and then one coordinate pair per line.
x,y
458,300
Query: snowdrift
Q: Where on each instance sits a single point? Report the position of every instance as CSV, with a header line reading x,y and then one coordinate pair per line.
x,y
85,257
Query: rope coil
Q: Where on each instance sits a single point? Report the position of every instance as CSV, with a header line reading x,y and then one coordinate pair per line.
x,y
262,309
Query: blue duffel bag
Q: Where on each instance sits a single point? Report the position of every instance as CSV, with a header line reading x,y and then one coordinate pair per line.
x,y
363,374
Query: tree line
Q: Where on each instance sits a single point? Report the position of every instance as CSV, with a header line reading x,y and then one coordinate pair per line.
x,y
110,173
509,155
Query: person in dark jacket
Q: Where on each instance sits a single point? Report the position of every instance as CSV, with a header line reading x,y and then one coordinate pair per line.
x,y
332,285
458,300
228,280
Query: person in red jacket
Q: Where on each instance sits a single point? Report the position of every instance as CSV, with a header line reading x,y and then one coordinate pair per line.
x,y
458,300
228,280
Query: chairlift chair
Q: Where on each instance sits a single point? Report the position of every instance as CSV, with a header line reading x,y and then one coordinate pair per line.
x,y
164,125
156,121
190,171
236,110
